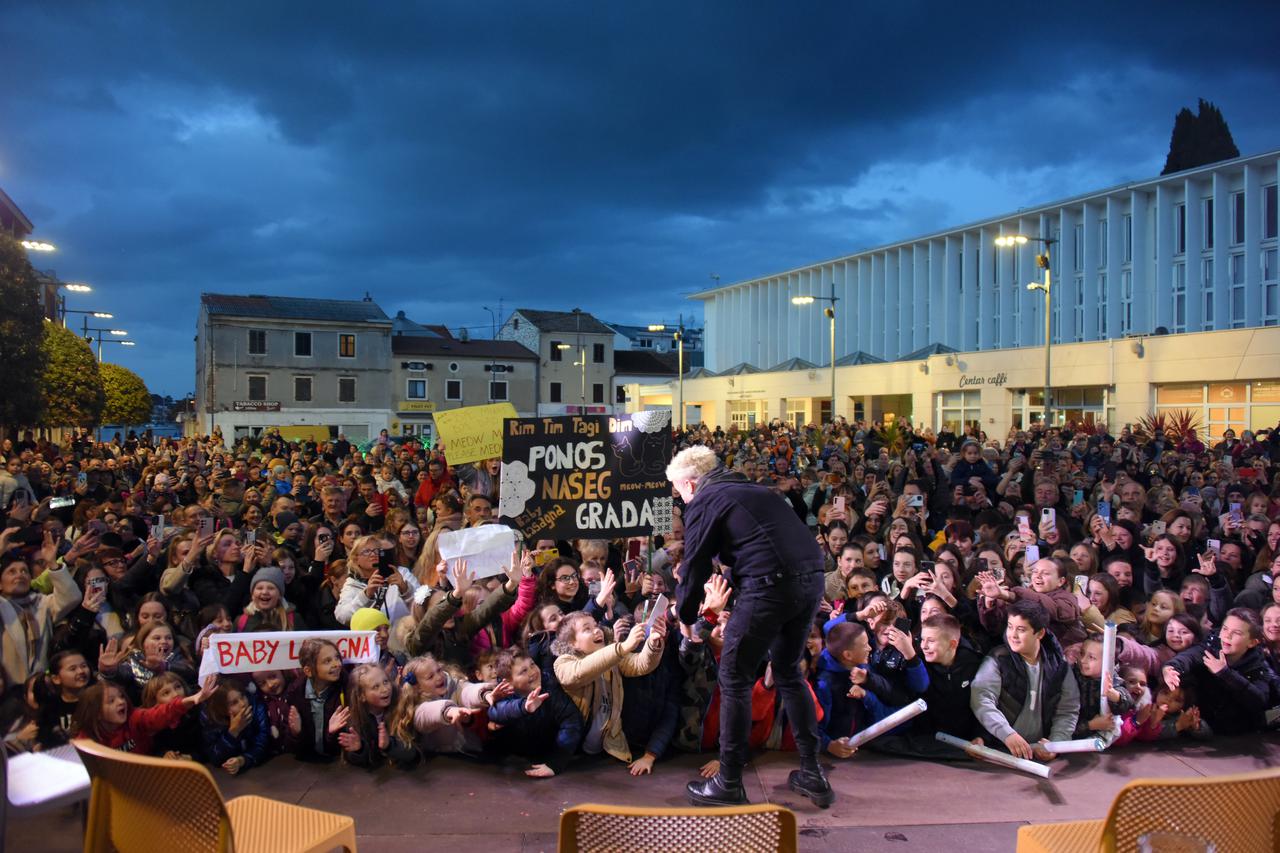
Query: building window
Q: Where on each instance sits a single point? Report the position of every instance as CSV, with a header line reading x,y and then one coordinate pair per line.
x,y
257,342
1206,232
346,389
453,389
1237,290
1128,237
743,414
1207,279
257,387
1237,218
346,346
1270,289
555,392
1126,301
597,393
597,353
1078,313
556,353
302,389
1102,305
302,344
1102,242
416,389
1180,297
955,410
1077,246
497,392
1269,223
1179,229
621,396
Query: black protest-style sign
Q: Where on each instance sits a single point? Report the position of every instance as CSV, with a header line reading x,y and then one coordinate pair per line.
x,y
591,476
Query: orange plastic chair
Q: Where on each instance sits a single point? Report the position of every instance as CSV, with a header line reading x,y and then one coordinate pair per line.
x,y
143,804
1236,814
594,828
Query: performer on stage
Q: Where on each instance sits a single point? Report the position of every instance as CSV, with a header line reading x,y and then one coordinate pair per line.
x,y
776,572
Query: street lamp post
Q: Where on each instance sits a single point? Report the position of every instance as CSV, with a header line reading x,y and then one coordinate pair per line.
x,y
830,313
678,337
120,333
1042,260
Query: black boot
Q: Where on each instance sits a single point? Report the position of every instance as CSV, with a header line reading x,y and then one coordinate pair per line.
x,y
716,791
810,781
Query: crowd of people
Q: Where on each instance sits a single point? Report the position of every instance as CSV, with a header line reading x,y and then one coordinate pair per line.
x,y
976,574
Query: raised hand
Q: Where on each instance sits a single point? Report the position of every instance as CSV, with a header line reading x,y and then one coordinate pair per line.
x,y
384,739
1171,677
1188,720
207,689
110,655
534,701
1208,565
455,715
463,580
607,584
1215,663
339,720
634,639
500,691
295,721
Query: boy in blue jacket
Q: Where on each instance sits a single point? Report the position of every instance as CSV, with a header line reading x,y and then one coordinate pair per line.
x,y
847,648
539,722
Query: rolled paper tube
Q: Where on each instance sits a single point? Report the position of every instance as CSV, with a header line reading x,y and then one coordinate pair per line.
x,y
889,723
1088,744
1108,662
1004,759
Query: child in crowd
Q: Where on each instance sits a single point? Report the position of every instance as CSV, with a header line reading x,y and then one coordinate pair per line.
x,y
537,721
104,714
237,734
435,708
368,742
271,686
183,739
69,675
317,713
1092,682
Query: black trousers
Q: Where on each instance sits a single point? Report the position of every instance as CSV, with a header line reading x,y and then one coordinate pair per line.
x,y
774,620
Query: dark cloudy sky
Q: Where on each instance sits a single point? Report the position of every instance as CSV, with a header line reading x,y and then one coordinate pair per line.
x,y
611,155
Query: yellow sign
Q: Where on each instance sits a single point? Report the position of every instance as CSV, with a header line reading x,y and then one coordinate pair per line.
x,y
473,433
417,406
304,433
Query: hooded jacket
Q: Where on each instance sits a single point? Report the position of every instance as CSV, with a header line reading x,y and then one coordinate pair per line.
x,y
1235,700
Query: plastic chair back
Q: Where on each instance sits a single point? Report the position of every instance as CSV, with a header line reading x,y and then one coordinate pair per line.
x,y
593,828
140,803
1236,814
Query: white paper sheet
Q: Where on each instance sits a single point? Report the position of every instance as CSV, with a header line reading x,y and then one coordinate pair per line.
x,y
487,549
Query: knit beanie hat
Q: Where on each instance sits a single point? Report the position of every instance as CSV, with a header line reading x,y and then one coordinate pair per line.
x,y
284,519
270,574
368,619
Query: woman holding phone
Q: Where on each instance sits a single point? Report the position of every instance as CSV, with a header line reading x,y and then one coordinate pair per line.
x,y
375,581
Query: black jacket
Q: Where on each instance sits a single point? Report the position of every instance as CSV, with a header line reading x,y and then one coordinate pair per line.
x,y
948,696
751,529
550,735
1235,700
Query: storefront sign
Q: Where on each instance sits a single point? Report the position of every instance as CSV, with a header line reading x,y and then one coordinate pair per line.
x,y
255,406
996,380
417,406
594,476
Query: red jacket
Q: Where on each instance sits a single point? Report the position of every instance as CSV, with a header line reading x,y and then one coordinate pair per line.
x,y
766,704
429,488
139,731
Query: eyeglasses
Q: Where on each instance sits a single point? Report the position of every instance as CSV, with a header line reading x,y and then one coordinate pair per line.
x,y
573,578
369,552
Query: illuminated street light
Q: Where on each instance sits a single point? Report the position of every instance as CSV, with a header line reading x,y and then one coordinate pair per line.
x,y
1042,260
802,300
77,287
103,315
830,313
38,246
121,332
678,337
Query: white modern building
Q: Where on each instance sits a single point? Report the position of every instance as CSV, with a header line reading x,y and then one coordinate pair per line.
x,y
961,336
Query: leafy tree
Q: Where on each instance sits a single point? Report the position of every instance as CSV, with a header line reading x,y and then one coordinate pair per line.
x,y
127,400
21,319
1198,140
71,383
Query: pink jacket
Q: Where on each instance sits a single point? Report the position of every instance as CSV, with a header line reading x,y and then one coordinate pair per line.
x,y
511,620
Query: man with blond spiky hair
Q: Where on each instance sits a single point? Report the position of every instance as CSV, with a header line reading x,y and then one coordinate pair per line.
x,y
775,568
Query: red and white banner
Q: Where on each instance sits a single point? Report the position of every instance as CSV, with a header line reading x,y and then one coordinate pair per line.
x,y
265,650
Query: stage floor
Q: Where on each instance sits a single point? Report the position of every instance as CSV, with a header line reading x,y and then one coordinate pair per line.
x,y
883,803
